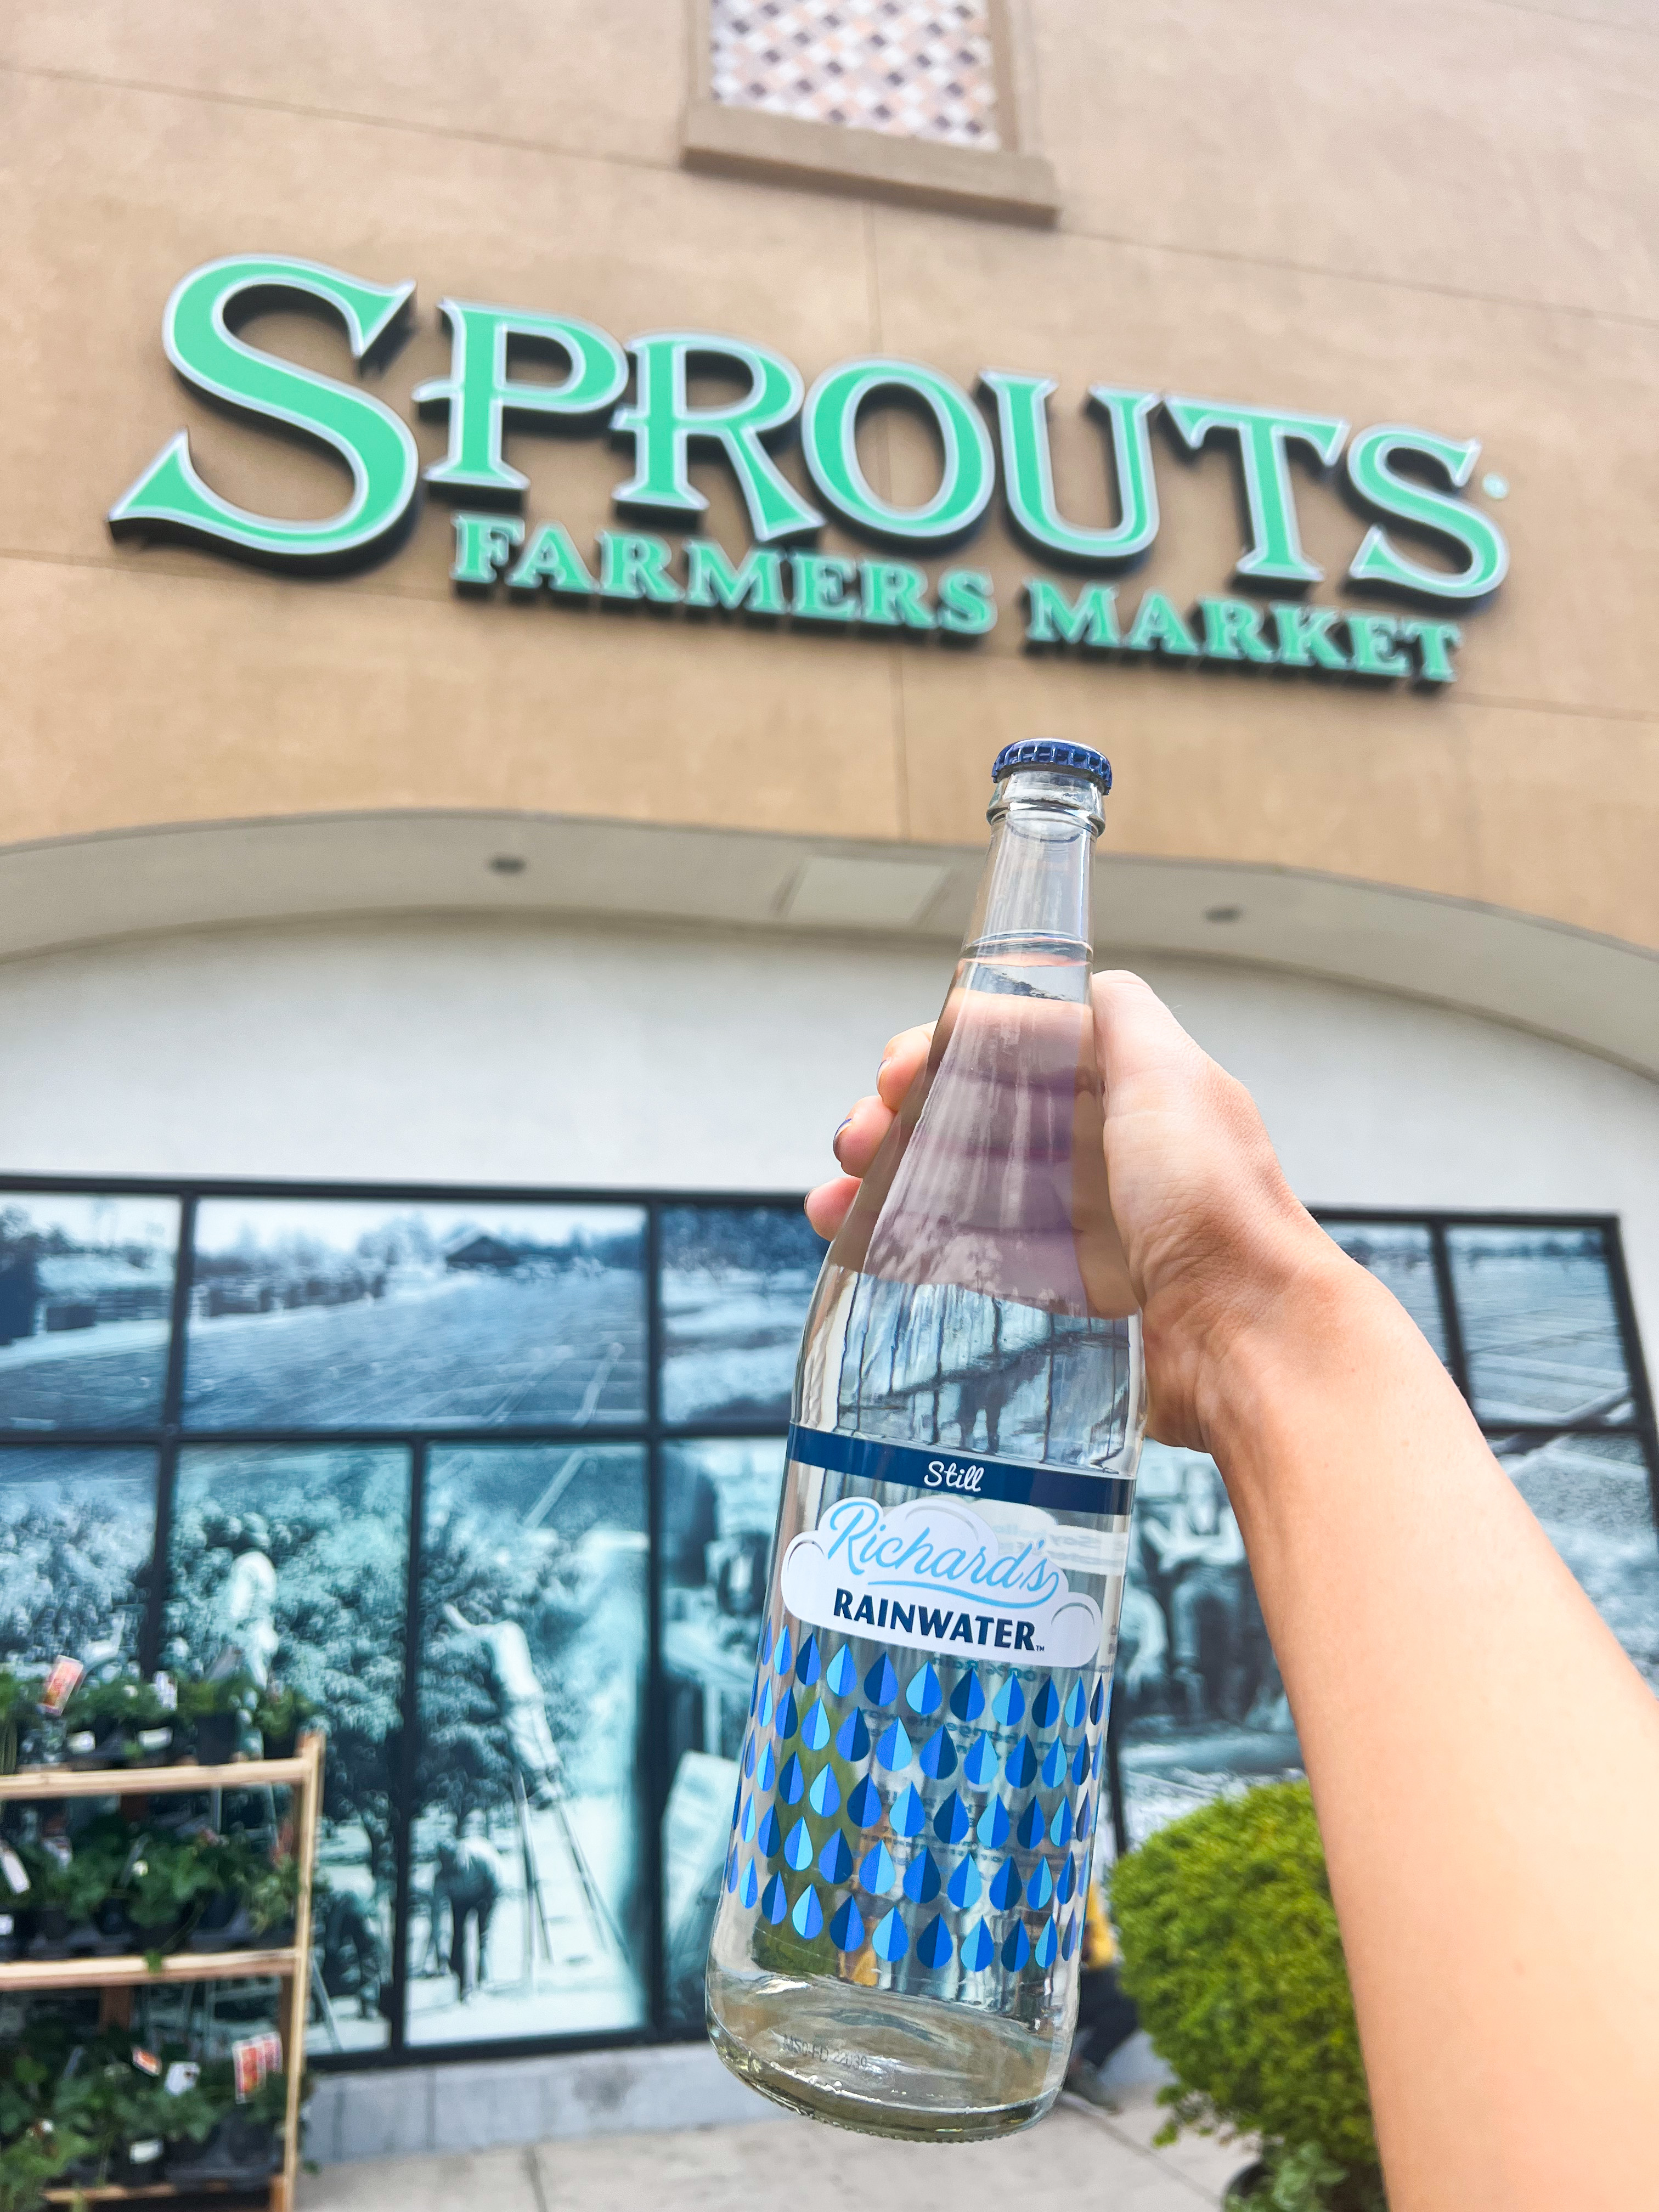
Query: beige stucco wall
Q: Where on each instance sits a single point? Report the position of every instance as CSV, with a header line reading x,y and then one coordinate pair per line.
x,y
1439,214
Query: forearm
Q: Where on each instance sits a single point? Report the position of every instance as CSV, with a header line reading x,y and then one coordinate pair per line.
x,y
1483,1760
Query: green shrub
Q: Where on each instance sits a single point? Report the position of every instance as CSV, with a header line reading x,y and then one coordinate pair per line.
x,y
1231,1953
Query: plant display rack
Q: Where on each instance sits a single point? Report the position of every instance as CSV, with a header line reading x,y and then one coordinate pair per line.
x,y
118,1977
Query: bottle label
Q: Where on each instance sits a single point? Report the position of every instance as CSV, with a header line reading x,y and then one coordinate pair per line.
x,y
962,1475
932,1576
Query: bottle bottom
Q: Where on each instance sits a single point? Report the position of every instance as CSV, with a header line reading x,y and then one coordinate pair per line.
x,y
885,2065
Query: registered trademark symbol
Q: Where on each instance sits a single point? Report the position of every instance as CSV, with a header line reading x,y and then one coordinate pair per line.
x,y
1495,487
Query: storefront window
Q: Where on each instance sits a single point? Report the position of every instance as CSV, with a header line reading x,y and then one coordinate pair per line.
x,y
347,1315
528,1915
86,1296
494,1483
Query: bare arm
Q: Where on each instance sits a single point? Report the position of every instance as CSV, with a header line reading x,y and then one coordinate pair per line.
x,y
1484,1759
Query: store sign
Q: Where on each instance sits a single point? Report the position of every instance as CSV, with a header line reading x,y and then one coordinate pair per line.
x,y
1410,484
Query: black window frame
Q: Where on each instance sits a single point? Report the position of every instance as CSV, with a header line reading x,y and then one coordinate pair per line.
x,y
170,1434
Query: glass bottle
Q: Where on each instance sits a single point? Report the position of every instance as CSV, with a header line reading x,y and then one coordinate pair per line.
x,y
897,1938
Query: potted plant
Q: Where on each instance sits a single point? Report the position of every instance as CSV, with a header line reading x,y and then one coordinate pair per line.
x,y
246,2142
127,2119
213,1710
171,1883
279,1716
1231,1953
35,2148
120,1722
17,1713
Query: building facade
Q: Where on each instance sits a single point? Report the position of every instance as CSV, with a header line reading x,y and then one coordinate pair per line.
x,y
527,533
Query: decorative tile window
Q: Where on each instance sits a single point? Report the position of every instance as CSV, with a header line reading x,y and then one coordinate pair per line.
x,y
913,70
923,101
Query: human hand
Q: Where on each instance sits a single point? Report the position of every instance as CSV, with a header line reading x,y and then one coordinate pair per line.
x,y
1213,1239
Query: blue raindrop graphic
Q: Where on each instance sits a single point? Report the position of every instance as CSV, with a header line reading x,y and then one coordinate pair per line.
x,y
1060,1828
1045,1706
786,1651
1046,1944
981,1765
787,1719
775,1899
1085,1814
851,1737
909,1813
1040,1887
809,1664
807,1918
921,1881
1029,1834
815,1728
1054,1765
797,1847
933,1944
765,1715
1067,1882
890,1939
731,1868
938,1756
864,1805
835,1860
964,1888
824,1795
894,1750
876,1871
749,1756
840,1674
792,1783
1080,1763
951,1821
1077,1705
768,1768
737,1800
750,1889
746,1826
753,1694
922,1692
968,1699
1097,1703
994,1824
765,1651
846,1929
1010,1706
1100,1754
881,1683
1006,1890
978,1947
1022,1764
1015,1951
770,1839
1068,1941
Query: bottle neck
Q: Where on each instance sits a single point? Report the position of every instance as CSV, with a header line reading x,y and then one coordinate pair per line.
x,y
1034,896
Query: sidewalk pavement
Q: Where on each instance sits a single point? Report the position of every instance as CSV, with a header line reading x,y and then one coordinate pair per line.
x,y
1098,2158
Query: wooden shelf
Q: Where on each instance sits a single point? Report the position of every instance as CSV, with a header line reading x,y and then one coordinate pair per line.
x,y
126,1969
154,1781
289,1964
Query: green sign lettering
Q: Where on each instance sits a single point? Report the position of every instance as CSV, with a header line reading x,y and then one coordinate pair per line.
x,y
1377,483
894,595
830,441
1375,654
1265,435
551,559
480,397
1158,629
819,584
1434,641
170,500
711,580
1051,619
1232,631
482,543
1028,469
967,603
665,426
635,566
1305,639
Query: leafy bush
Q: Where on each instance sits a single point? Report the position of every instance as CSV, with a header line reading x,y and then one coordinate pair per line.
x,y
1231,1953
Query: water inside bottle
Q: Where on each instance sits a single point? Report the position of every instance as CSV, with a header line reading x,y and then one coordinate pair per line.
x,y
897,1946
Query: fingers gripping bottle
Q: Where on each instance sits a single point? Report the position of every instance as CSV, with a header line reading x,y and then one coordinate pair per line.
x,y
897,1939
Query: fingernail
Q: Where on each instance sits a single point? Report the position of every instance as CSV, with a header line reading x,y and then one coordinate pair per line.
x,y
835,1141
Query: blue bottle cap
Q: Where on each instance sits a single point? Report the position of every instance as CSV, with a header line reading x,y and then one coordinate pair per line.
x,y
1049,752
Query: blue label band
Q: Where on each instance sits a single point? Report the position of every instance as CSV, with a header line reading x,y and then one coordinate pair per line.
x,y
961,1474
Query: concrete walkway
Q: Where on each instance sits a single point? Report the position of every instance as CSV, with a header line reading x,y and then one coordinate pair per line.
x,y
1095,2158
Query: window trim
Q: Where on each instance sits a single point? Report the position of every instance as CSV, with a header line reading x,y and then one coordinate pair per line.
x,y
1013,183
